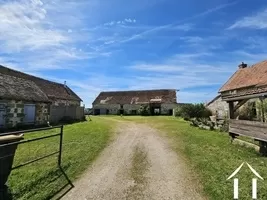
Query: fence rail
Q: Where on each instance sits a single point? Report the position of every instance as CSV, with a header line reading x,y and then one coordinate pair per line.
x,y
14,144
255,130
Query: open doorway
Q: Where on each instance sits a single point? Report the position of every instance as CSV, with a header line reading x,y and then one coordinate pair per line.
x,y
155,108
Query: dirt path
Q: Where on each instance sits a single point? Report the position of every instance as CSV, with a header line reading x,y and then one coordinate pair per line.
x,y
139,164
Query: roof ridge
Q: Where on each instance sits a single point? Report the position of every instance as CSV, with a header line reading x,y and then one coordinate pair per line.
x,y
115,91
30,75
41,83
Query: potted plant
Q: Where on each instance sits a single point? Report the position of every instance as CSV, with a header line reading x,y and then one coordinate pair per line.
x,y
7,154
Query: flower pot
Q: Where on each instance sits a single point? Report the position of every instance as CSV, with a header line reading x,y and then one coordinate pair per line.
x,y
7,154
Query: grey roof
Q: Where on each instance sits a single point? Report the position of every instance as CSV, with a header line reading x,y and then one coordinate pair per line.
x,y
52,89
136,97
20,89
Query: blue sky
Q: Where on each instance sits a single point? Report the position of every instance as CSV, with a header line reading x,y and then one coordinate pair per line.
x,y
99,45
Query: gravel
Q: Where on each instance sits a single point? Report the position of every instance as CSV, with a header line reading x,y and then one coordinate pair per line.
x,y
158,174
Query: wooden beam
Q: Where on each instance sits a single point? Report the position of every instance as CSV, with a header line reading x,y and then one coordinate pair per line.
x,y
240,103
250,96
231,109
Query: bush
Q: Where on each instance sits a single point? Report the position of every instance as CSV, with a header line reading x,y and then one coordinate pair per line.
x,y
246,112
144,110
193,111
178,111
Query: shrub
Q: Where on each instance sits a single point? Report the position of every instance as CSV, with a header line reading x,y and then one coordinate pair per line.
x,y
246,112
144,110
178,111
193,111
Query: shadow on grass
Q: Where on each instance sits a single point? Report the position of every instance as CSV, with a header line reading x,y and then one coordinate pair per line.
x,y
56,180
61,192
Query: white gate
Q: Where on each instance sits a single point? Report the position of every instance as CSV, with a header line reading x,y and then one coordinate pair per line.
x,y
29,111
2,113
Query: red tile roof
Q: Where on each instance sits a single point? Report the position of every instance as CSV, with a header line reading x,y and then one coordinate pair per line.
x,y
136,97
256,76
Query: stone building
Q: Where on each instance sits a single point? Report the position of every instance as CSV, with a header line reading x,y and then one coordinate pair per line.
x,y
57,93
26,99
218,107
128,102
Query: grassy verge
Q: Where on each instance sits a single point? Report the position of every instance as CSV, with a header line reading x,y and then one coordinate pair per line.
x,y
42,180
213,157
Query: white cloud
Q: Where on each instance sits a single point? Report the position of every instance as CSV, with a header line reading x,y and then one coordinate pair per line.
x,y
179,25
257,21
23,25
33,36
125,21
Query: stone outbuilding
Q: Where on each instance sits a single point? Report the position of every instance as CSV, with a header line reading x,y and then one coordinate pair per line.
x,y
159,102
247,83
27,99
218,107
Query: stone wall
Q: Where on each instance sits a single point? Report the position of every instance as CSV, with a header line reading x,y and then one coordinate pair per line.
x,y
14,113
220,106
113,108
128,108
61,102
42,113
166,107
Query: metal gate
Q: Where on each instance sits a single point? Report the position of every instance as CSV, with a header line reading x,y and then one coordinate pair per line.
x,y
23,141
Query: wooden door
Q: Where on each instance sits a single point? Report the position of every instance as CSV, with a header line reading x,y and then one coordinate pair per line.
x,y
29,111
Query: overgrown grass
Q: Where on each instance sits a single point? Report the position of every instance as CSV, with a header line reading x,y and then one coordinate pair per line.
x,y
213,157
43,179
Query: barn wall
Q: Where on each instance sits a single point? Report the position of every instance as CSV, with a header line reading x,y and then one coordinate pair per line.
x,y
166,107
113,108
128,108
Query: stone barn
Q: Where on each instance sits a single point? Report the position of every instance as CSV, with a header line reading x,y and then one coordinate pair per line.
x,y
159,102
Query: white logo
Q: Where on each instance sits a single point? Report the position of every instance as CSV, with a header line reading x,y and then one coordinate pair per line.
x,y
254,181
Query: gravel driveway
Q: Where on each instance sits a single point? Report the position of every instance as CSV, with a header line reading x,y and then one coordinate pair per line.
x,y
138,164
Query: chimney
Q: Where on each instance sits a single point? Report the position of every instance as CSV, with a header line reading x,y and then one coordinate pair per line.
x,y
242,65
65,83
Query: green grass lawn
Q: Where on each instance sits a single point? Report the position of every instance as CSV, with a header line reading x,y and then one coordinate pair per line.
x,y
212,156
40,180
